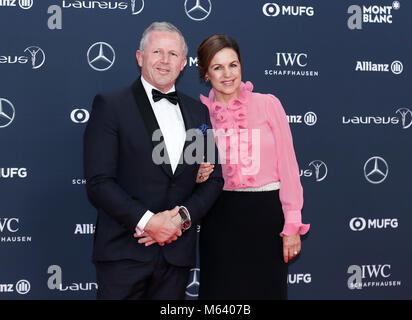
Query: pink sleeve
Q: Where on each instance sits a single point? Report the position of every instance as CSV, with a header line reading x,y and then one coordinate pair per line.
x,y
291,191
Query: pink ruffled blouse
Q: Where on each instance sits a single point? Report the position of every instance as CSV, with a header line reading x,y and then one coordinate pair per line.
x,y
256,148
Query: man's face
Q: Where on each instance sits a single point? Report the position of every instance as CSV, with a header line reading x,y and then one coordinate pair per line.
x,y
162,59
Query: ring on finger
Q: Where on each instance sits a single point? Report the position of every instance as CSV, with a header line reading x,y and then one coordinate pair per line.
x,y
295,252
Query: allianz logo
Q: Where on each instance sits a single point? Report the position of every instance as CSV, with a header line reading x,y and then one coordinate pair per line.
x,y
405,119
84,228
55,282
24,4
309,118
21,287
368,66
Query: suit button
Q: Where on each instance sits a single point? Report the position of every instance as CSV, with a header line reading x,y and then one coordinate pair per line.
x,y
172,185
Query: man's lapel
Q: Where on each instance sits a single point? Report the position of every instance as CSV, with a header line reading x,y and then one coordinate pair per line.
x,y
149,119
187,118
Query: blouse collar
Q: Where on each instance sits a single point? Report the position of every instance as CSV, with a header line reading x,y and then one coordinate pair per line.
x,y
245,91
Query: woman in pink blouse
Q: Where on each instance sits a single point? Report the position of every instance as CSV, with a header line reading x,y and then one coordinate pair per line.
x,y
254,228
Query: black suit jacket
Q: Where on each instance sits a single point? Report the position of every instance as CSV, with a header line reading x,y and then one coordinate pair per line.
x,y
123,182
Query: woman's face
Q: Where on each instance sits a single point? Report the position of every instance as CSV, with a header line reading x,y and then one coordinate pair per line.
x,y
225,74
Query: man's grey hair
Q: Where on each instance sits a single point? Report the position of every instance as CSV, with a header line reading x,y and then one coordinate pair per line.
x,y
162,26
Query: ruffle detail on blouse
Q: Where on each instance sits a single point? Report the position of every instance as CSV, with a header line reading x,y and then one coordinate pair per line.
x,y
229,121
290,229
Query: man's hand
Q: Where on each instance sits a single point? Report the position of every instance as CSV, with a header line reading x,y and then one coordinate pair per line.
x,y
162,227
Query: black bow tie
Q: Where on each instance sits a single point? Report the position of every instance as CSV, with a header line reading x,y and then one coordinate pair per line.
x,y
172,96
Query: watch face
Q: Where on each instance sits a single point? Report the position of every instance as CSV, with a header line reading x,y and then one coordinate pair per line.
x,y
186,224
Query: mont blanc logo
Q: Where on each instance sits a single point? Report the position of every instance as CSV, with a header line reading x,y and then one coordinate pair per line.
x,y
360,224
192,288
370,276
198,10
293,64
79,115
24,4
101,56
272,9
309,118
375,170
396,67
374,14
35,55
7,113
320,171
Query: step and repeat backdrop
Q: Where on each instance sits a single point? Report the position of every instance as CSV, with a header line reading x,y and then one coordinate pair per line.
x,y
342,70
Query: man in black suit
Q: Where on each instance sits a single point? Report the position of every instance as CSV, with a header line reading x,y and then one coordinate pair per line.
x,y
132,191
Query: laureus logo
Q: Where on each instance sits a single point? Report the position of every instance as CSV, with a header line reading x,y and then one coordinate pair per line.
x,y
406,117
136,6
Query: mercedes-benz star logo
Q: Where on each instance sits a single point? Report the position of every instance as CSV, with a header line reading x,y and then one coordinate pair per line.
x,y
376,170
198,10
133,6
37,56
7,112
193,287
103,54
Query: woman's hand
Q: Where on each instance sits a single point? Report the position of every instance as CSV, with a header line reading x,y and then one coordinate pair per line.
x,y
291,247
204,172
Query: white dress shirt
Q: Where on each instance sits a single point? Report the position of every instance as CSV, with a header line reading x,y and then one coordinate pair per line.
x,y
171,124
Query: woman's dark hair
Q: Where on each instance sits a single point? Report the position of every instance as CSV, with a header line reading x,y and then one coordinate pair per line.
x,y
210,46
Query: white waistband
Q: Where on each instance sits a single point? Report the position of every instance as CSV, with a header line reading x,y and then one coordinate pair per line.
x,y
268,187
